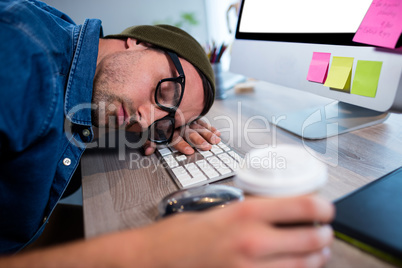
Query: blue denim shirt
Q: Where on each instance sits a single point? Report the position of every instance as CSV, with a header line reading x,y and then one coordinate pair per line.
x,y
47,66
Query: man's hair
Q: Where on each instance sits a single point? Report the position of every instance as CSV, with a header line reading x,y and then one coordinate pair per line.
x,y
208,93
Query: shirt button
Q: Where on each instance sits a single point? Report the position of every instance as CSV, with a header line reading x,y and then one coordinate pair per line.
x,y
86,132
44,219
67,161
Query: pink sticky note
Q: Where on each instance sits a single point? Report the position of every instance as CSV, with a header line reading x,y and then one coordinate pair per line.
x,y
382,25
318,69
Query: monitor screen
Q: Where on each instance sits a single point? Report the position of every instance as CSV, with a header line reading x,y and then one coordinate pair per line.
x,y
302,21
277,42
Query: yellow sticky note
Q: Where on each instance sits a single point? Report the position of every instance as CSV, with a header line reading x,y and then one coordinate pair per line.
x,y
340,73
366,78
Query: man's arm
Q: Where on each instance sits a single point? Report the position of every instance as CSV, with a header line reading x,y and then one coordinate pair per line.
x,y
198,134
244,234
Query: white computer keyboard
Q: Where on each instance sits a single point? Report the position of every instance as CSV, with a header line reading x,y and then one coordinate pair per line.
x,y
202,167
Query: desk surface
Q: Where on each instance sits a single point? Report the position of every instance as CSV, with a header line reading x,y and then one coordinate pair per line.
x,y
121,188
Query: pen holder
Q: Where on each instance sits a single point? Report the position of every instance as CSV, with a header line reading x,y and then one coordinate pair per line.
x,y
219,86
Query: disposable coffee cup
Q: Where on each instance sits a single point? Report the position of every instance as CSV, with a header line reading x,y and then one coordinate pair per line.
x,y
281,171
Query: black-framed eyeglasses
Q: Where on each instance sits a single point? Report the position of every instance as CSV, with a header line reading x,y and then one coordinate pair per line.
x,y
168,95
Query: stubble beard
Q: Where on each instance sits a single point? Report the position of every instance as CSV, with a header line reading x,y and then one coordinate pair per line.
x,y
112,74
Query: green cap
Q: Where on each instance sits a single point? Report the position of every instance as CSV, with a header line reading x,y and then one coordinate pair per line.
x,y
173,39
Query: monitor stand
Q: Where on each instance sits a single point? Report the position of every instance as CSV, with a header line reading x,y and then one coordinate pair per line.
x,y
330,120
308,115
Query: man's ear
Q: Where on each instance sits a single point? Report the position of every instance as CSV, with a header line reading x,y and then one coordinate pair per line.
x,y
133,43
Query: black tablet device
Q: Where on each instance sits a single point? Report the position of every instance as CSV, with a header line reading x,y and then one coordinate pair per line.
x,y
371,217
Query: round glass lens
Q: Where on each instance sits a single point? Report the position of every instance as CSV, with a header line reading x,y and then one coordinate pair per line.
x,y
169,93
161,130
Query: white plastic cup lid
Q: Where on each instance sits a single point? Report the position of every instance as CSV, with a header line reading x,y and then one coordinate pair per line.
x,y
284,170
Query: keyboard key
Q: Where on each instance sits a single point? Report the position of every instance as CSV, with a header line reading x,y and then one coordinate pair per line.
x,y
181,173
171,161
225,171
202,164
197,175
216,150
207,169
192,181
219,165
173,150
205,153
191,167
165,151
211,173
224,147
181,157
215,162
195,171
235,156
229,161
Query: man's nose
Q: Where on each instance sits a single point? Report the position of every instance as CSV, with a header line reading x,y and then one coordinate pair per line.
x,y
149,113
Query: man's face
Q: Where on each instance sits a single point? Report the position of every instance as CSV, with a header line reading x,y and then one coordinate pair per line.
x,y
125,84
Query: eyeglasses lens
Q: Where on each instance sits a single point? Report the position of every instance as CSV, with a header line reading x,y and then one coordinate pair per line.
x,y
161,130
169,93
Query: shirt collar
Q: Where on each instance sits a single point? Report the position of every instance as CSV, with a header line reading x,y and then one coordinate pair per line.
x,y
77,107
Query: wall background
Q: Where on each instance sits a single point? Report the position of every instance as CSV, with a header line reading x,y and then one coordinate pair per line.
x,y
117,15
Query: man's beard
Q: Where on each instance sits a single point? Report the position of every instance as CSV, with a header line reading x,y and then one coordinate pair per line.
x,y
104,111
111,76
103,108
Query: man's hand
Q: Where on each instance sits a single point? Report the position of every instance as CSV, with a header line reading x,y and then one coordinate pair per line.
x,y
246,234
198,134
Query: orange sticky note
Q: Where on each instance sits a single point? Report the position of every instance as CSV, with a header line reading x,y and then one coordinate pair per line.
x,y
366,78
340,73
382,24
318,70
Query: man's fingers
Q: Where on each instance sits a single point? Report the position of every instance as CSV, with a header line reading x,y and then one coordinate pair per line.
x,y
204,134
149,147
313,260
199,135
195,139
208,126
263,240
303,209
181,145
292,240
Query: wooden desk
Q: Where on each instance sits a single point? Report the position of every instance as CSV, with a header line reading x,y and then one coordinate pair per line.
x,y
118,194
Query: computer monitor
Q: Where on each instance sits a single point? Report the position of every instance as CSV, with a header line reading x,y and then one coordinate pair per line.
x,y
275,42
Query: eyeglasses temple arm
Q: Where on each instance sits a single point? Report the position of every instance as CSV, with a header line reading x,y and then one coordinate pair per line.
x,y
176,62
